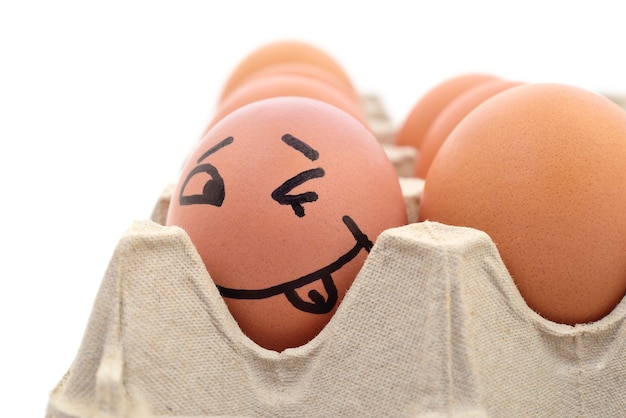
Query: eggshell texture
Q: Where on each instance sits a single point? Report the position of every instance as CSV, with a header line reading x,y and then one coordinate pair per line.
x,y
281,52
424,112
287,85
283,208
451,115
542,169
306,70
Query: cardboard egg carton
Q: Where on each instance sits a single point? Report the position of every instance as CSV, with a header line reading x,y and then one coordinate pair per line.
x,y
402,157
433,325
619,99
378,118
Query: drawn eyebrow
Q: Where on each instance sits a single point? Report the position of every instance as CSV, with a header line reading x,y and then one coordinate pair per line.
x,y
216,147
299,145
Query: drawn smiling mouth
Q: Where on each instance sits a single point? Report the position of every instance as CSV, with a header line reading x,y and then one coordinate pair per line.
x,y
318,304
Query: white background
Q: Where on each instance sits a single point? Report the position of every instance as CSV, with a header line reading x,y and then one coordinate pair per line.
x,y
100,102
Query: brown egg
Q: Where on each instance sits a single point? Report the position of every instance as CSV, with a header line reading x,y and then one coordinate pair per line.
x,y
451,115
284,51
287,85
541,168
283,199
306,70
424,112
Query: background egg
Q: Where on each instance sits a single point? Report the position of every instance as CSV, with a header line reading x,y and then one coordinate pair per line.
x,y
306,70
269,86
297,177
542,169
281,52
451,115
423,113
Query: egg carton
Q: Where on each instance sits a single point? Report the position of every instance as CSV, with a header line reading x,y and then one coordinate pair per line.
x,y
402,157
617,98
433,325
378,118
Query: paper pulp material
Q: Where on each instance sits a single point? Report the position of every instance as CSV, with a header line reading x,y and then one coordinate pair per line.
x,y
433,325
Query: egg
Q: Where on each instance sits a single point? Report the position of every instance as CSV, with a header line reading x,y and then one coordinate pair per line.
x,y
284,51
412,130
541,168
283,199
306,70
451,115
287,85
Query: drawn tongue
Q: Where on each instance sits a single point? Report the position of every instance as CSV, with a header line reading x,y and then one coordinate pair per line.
x,y
316,303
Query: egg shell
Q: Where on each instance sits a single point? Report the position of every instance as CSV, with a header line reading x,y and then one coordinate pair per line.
x,y
305,70
284,51
287,85
255,239
541,168
451,115
424,112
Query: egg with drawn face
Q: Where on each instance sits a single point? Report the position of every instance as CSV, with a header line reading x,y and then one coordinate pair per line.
x,y
283,199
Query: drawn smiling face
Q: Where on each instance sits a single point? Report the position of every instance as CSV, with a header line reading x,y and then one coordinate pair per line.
x,y
283,199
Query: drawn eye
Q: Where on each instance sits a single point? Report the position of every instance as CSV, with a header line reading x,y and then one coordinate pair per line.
x,y
206,177
296,201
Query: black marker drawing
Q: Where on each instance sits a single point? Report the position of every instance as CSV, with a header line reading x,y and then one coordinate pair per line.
x,y
298,145
213,192
317,305
216,148
280,194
